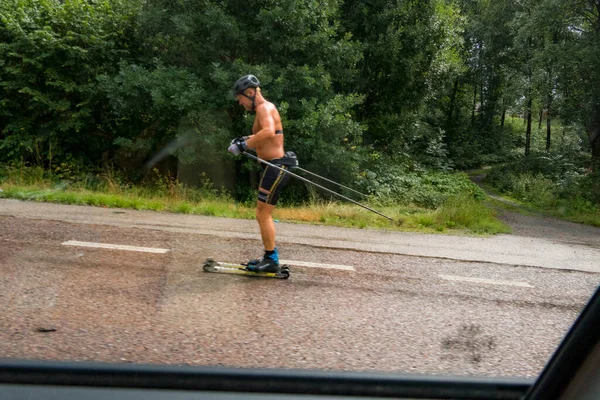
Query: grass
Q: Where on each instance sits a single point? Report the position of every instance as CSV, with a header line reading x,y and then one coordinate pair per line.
x,y
466,212
130,200
458,215
574,212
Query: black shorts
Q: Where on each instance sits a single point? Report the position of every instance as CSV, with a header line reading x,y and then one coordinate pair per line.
x,y
273,180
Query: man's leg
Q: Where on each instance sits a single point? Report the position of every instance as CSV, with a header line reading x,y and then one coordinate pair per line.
x,y
272,181
264,217
270,261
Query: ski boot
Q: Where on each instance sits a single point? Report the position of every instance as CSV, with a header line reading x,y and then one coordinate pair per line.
x,y
267,263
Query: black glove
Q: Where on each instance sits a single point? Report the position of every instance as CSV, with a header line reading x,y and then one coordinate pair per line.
x,y
238,146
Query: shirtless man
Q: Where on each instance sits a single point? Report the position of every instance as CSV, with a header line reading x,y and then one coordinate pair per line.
x,y
267,140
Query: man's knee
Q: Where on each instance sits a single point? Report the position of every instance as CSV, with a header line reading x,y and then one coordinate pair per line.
x,y
263,211
262,215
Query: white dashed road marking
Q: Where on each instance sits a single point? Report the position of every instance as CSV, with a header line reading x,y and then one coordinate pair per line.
x,y
115,247
486,281
316,265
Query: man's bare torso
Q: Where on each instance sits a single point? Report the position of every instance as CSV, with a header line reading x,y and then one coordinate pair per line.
x,y
271,147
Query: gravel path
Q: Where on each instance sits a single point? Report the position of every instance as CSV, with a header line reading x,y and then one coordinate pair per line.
x,y
544,227
539,226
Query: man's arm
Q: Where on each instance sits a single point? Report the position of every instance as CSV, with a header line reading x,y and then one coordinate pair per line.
x,y
267,127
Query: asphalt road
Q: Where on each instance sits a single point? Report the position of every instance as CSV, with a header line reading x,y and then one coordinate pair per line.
x,y
402,302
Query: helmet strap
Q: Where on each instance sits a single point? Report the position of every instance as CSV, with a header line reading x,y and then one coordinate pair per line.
x,y
252,99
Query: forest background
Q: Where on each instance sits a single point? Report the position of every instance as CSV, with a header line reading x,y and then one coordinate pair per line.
x,y
132,98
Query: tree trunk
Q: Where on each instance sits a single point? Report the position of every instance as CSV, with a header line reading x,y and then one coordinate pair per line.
x,y
551,84
474,103
548,133
503,117
595,137
482,106
595,132
541,117
452,104
548,130
528,132
529,96
50,153
595,142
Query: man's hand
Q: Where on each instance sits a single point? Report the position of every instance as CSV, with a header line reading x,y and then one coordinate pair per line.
x,y
238,146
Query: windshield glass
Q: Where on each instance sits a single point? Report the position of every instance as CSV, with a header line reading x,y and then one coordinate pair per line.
x,y
406,187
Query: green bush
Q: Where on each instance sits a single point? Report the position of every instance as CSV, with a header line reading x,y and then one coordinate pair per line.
x,y
558,184
535,189
393,185
544,178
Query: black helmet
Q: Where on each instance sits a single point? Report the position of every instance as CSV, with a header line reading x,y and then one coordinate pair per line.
x,y
245,82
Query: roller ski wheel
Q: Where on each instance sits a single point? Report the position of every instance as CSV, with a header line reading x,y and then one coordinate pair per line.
x,y
211,265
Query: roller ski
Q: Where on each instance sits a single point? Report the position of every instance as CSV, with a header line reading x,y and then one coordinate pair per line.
x,y
259,268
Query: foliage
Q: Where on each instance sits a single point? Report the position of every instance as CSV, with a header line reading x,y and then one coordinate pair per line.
x,y
50,55
390,185
159,193
426,86
465,211
546,179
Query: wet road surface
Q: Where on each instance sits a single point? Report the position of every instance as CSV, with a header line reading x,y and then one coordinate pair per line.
x,y
392,311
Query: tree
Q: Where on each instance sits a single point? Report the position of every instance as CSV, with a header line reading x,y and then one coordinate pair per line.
x,y
485,88
303,58
399,47
50,54
583,22
572,32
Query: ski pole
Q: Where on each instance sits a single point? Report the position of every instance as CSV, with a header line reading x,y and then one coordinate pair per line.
x,y
317,185
330,181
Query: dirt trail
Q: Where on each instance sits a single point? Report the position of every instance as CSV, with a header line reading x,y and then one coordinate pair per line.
x,y
541,226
